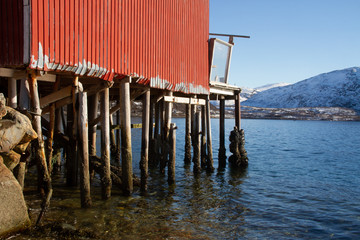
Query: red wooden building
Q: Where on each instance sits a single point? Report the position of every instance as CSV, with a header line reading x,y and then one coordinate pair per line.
x,y
163,43
114,51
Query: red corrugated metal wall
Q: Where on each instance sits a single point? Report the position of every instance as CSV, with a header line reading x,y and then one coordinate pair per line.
x,y
163,42
12,33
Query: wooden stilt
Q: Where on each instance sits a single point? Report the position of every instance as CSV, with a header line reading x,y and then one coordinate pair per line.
x,y
222,149
161,145
166,129
158,131
50,140
210,162
84,166
71,148
93,104
237,111
24,100
113,148
151,133
12,92
172,154
193,112
45,186
105,145
196,145
203,138
117,137
145,141
56,147
126,152
187,159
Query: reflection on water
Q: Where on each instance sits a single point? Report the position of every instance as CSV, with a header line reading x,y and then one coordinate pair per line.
x,y
302,182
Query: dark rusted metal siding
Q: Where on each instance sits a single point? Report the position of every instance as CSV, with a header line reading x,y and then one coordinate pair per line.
x,y
12,33
161,42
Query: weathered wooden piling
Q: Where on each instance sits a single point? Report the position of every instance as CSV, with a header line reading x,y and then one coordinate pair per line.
x,y
172,154
203,138
145,141
105,144
165,138
155,155
84,147
50,139
161,143
117,137
57,147
237,111
187,158
196,145
222,149
93,104
126,152
210,161
12,92
44,179
24,97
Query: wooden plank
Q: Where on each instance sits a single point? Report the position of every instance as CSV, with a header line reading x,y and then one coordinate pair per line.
x,y
56,96
194,101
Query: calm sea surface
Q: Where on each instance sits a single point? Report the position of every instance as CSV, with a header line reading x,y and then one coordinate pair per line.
x,y
303,182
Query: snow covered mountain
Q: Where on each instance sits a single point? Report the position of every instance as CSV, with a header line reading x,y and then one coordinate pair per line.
x,y
247,93
339,88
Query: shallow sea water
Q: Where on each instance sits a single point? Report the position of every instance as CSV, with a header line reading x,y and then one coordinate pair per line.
x,y
302,183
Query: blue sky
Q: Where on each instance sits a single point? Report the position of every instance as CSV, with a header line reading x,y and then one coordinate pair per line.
x,y
291,40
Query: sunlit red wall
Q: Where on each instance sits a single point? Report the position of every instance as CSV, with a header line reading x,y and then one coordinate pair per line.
x,y
163,42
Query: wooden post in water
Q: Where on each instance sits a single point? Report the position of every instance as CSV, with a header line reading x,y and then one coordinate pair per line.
x,y
145,141
196,158
45,186
155,157
222,149
161,142
126,152
172,154
12,92
237,110
93,104
203,138
105,144
210,161
84,166
187,159
166,130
